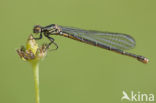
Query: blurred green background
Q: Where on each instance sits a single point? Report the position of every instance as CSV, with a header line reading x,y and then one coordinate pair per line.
x,y
77,72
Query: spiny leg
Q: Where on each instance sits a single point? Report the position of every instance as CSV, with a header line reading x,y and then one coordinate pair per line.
x,y
52,42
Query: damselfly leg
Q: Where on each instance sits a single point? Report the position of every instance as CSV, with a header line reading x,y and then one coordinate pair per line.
x,y
52,42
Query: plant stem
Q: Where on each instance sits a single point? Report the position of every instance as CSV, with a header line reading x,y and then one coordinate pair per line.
x,y
35,67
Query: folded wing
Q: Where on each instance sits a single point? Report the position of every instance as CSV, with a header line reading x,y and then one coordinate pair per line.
x,y
113,40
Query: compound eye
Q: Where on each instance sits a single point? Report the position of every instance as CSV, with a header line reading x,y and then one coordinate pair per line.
x,y
37,29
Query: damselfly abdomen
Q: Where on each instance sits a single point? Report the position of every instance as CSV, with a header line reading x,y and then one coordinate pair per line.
x,y
116,42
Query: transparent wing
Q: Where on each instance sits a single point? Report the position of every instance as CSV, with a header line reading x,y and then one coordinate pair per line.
x,y
113,40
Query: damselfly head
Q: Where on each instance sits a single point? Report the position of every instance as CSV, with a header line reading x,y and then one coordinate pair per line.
x,y
37,29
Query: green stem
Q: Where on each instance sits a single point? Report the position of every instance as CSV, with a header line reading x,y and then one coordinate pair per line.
x,y
35,67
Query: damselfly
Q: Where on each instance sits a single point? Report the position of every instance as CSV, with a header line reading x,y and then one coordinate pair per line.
x,y
116,42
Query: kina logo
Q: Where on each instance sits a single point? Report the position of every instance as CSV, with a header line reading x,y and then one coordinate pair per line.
x,y
137,96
